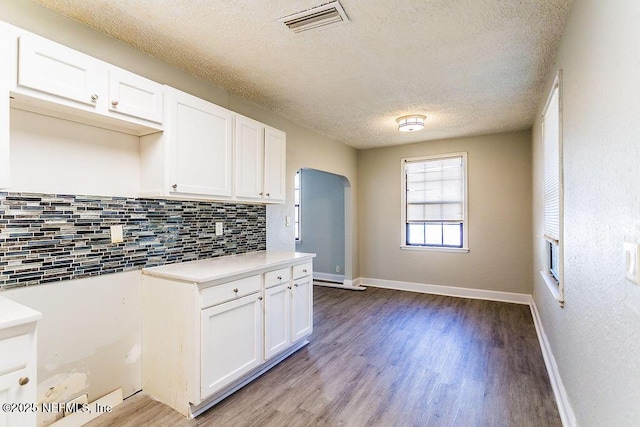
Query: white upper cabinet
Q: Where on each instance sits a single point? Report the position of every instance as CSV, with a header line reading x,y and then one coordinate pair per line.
x,y
135,96
193,157
275,151
249,150
5,72
52,79
259,162
57,73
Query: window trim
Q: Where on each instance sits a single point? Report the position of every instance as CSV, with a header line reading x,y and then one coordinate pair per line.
x,y
555,285
297,224
403,205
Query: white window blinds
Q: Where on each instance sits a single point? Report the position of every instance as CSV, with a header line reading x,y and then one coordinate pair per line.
x,y
551,158
435,190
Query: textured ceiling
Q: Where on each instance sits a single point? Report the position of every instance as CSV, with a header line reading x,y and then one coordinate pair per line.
x,y
471,66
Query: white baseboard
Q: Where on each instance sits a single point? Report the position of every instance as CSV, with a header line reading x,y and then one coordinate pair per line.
x,y
447,290
339,278
567,415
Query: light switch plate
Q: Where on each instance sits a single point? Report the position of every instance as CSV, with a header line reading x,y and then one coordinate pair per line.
x,y
219,228
631,260
288,221
116,234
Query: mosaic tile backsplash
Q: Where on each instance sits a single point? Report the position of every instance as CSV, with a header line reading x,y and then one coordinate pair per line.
x,y
48,238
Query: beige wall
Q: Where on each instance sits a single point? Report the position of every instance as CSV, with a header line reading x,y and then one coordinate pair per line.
x,y
595,338
499,168
84,348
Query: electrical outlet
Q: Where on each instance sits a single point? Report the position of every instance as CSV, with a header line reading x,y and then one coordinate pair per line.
x,y
219,228
337,269
116,234
287,221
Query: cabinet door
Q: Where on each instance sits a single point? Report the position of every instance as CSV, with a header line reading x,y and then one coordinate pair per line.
x,y
5,73
59,74
277,315
249,158
11,391
135,96
302,308
275,148
231,342
201,137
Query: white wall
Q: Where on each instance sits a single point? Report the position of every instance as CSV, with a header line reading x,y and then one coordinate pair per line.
x,y
499,181
595,338
322,223
89,338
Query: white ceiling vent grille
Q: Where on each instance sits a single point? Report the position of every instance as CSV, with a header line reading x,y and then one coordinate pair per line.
x,y
327,14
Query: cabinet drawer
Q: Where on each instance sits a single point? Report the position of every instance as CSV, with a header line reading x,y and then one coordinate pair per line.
x,y
15,353
276,277
302,270
229,291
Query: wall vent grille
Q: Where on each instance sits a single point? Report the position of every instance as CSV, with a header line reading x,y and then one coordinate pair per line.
x,y
327,14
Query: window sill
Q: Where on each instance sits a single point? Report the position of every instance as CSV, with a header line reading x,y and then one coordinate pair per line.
x,y
433,249
553,286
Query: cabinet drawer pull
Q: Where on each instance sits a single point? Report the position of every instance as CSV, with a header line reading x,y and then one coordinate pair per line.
x,y
94,97
235,290
23,380
114,103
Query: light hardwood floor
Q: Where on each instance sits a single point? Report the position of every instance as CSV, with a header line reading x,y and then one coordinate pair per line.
x,y
389,358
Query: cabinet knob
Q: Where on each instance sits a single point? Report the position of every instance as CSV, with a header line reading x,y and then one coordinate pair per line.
x,y
304,271
268,194
235,290
114,103
279,277
94,97
23,380
261,194
295,284
174,186
259,298
288,287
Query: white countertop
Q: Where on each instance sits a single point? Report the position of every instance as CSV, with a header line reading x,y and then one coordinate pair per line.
x,y
210,269
14,314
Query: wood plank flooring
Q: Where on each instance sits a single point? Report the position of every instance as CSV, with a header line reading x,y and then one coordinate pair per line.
x,y
389,358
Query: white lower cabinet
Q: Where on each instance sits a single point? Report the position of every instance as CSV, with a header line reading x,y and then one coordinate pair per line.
x,y
203,338
18,364
277,319
301,308
236,327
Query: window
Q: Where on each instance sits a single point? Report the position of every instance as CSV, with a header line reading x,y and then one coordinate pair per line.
x,y
434,205
296,206
552,195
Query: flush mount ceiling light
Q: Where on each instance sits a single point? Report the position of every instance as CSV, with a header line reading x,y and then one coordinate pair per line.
x,y
411,123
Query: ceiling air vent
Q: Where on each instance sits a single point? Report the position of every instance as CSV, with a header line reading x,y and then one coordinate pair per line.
x,y
327,14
